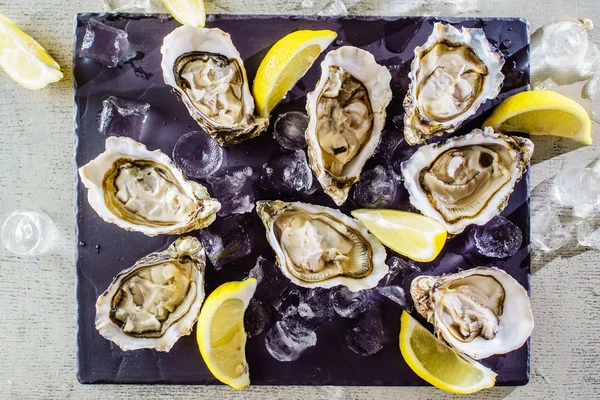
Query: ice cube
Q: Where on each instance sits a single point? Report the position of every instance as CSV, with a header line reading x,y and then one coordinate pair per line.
x,y
233,188
375,189
437,7
348,304
256,318
391,139
134,6
121,117
393,150
28,233
289,338
257,272
197,154
590,88
499,238
548,232
289,174
365,336
288,303
290,129
225,241
104,44
315,304
579,188
564,43
335,8
399,269
271,283
564,59
393,293
588,232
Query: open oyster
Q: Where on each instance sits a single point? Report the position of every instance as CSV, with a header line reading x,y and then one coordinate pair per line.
x,y
156,301
141,190
481,311
451,75
466,179
321,247
206,70
347,114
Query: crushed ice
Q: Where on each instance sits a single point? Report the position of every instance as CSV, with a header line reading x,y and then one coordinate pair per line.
x,y
233,188
563,59
289,174
134,6
565,206
225,240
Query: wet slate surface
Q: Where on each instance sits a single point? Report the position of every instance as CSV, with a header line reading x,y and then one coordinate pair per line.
x,y
105,249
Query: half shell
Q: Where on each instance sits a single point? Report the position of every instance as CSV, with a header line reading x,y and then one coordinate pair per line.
x,y
206,70
466,179
141,190
451,76
481,312
156,301
321,247
347,115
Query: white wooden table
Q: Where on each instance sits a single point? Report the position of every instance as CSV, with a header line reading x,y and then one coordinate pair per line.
x,y
37,295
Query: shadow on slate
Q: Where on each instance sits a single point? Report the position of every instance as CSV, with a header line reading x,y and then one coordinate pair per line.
x,y
330,362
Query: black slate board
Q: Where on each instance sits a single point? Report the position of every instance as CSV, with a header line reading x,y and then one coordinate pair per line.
x,y
329,362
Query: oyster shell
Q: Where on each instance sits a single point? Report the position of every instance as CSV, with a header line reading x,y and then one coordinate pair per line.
x,y
206,70
347,115
321,247
156,301
481,311
451,75
141,190
466,179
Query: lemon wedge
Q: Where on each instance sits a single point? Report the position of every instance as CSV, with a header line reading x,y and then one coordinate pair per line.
x,y
437,363
542,112
220,332
413,235
285,63
187,12
24,60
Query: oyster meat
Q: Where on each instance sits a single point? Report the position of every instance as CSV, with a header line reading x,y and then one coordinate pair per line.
x,y
156,301
321,247
481,312
206,70
141,190
347,115
466,179
451,76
